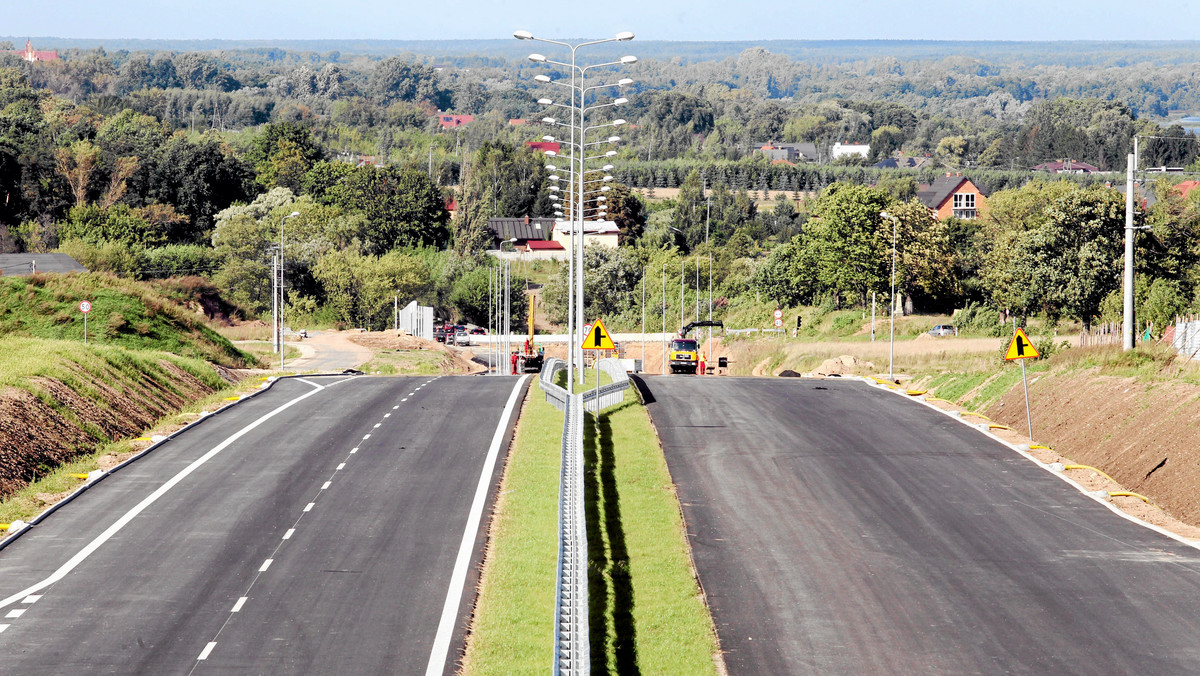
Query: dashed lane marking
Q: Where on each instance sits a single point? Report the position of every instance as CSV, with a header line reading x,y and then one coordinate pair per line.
x,y
207,650
325,486
366,437
3,627
309,506
266,564
238,606
288,534
15,613
32,598
354,450
341,467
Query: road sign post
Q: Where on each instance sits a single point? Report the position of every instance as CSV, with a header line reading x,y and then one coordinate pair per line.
x,y
85,307
1021,348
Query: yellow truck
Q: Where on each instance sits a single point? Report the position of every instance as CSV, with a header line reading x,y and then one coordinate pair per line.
x,y
684,355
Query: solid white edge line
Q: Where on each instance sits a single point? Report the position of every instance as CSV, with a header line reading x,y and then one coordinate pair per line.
x,y
207,651
458,578
162,490
1061,475
240,602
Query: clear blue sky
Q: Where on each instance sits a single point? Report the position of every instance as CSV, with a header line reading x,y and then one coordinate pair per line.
x,y
651,20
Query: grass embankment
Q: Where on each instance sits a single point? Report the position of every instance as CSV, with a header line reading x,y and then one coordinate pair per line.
x,y
63,407
409,363
125,313
647,610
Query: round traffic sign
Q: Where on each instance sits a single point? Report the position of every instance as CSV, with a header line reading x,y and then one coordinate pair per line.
x,y
778,322
779,314
85,307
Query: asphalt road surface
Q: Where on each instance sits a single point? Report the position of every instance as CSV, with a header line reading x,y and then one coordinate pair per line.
x,y
313,529
840,529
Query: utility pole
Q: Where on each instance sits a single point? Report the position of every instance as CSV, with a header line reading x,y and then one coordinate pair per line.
x,y
1128,338
664,318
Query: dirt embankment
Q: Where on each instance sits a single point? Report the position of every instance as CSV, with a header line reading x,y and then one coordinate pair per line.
x,y
457,360
1145,435
51,422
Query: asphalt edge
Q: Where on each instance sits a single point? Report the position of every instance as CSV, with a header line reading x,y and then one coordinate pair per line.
x,y
269,384
986,430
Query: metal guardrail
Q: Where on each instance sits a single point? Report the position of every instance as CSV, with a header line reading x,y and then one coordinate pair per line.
x,y
611,394
572,651
555,395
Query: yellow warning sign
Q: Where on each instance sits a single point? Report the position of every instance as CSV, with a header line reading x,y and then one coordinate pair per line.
x,y
1021,347
598,338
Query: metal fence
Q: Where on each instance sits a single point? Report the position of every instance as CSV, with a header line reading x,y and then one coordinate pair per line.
x,y
555,395
611,394
1187,336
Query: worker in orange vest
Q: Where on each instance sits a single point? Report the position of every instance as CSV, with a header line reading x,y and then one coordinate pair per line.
x,y
515,359
701,370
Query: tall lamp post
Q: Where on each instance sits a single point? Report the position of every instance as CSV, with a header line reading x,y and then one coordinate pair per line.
x,y
892,312
577,174
282,347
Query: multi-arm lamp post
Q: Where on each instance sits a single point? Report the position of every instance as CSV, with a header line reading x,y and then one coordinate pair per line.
x,y
577,173
282,347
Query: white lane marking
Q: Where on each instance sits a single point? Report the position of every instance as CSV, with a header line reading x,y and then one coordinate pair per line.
x,y
410,394
32,598
326,485
309,506
288,534
162,490
387,415
266,564
354,450
404,399
377,425
366,437
238,606
395,407
458,578
341,467
15,613
3,627
207,651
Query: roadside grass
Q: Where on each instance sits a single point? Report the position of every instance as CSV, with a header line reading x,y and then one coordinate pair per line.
x,y
647,612
264,352
125,313
33,499
407,362
513,628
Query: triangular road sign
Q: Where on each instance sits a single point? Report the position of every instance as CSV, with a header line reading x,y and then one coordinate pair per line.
x,y
1021,347
598,338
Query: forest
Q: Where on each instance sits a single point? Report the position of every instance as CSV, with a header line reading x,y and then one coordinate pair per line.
x,y
156,161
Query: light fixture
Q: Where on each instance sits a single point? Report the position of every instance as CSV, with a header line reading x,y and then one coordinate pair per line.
x,y
551,167
607,167
526,35
624,59
610,153
618,122
614,139
545,102
620,83
620,102
549,120
623,36
538,58
541,78
551,153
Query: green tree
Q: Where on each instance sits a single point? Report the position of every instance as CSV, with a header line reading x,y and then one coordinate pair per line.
x,y
852,245
402,207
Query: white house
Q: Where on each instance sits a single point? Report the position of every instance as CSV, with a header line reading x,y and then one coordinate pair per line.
x,y
846,149
604,233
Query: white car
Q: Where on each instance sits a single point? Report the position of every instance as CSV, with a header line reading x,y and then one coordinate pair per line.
x,y
943,330
462,338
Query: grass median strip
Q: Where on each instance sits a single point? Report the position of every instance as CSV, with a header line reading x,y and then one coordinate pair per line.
x,y
647,612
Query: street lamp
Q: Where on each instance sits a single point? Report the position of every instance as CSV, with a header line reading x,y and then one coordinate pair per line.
x,y
282,347
578,105
892,301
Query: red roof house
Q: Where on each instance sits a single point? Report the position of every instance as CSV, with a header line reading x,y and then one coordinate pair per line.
x,y
953,196
451,121
543,146
29,54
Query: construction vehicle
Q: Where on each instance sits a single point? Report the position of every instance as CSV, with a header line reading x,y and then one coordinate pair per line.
x,y
684,355
530,357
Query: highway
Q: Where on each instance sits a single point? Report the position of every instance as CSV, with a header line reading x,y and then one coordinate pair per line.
x,y
841,529
328,525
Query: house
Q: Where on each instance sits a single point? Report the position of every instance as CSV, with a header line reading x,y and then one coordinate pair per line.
x,y
848,149
906,162
604,233
28,54
516,122
789,152
452,121
25,264
953,196
1066,167
1185,188
523,229
544,146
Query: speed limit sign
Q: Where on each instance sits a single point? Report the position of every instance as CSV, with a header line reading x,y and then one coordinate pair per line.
x,y
85,307
779,314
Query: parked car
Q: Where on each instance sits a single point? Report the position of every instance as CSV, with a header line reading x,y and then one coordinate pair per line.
x,y
462,338
943,330
478,331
